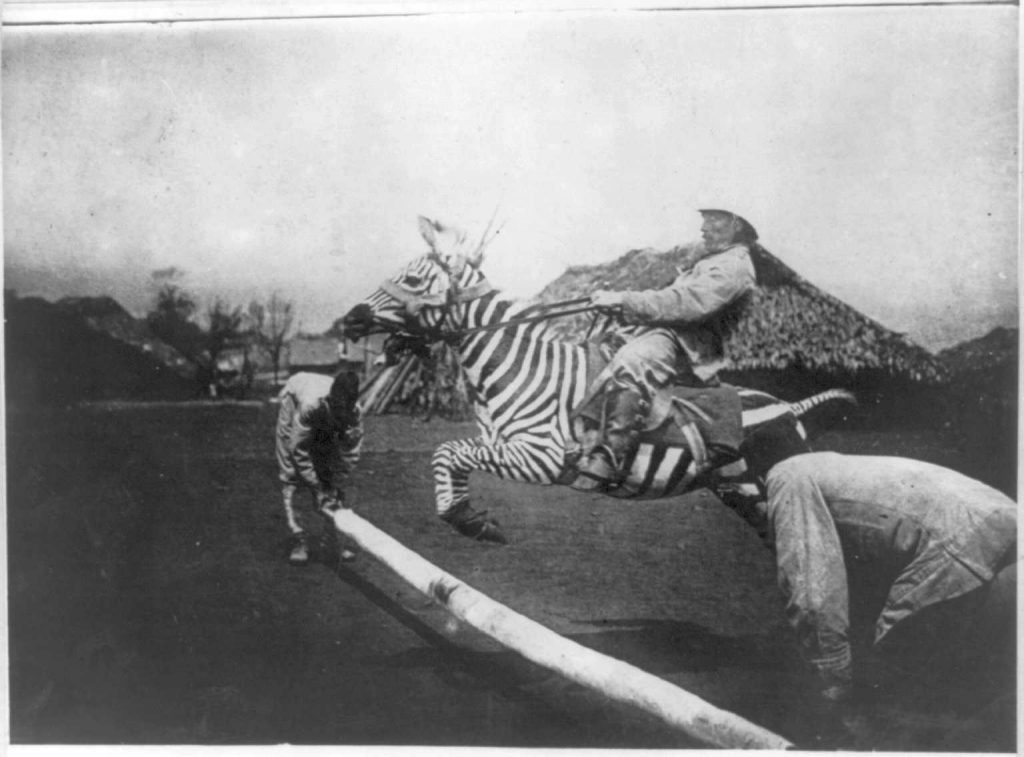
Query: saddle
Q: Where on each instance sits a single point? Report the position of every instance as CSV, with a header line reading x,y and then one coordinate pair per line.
x,y
706,420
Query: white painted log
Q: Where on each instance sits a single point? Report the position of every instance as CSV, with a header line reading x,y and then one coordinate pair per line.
x,y
613,678
372,393
405,368
371,390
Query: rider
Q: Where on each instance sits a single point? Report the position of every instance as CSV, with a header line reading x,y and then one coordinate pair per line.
x,y
683,346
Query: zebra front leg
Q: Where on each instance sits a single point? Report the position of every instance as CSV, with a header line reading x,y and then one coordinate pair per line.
x,y
474,524
520,460
452,464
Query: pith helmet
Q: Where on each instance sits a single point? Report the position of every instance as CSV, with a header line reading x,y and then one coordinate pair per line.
x,y
748,228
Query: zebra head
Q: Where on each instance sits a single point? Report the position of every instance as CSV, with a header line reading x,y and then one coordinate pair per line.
x,y
419,300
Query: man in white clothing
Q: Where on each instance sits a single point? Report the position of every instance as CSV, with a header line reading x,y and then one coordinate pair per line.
x,y
939,545
318,441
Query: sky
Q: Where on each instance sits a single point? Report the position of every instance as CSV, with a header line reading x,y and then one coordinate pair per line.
x,y
875,149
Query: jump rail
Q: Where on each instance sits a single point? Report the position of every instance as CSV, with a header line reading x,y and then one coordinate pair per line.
x,y
613,678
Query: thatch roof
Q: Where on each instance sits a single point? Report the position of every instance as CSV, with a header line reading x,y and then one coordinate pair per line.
x,y
790,323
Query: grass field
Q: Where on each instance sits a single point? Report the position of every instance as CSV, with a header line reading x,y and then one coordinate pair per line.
x,y
151,602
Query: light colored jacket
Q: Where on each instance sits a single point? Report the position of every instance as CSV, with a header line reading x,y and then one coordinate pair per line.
x,y
714,282
306,396
831,516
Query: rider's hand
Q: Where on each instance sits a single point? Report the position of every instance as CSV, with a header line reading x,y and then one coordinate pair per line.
x,y
604,299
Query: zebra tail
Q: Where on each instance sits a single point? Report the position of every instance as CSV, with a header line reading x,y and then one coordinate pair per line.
x,y
803,406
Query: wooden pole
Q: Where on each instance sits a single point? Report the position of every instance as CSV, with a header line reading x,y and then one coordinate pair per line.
x,y
404,369
372,388
613,678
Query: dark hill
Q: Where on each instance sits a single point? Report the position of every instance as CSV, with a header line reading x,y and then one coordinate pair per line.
x,y
983,404
998,349
106,315
54,357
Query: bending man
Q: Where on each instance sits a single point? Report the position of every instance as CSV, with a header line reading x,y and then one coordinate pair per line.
x,y
319,429
936,539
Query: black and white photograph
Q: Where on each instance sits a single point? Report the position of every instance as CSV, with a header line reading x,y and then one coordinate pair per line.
x,y
391,375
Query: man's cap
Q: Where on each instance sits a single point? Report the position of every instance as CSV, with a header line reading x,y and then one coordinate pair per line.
x,y
749,229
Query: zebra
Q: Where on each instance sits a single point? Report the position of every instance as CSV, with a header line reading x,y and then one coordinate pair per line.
x,y
524,381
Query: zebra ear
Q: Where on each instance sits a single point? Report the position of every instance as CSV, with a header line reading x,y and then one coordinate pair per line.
x,y
477,257
428,230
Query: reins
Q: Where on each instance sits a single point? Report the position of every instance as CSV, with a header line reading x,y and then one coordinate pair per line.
x,y
413,303
513,322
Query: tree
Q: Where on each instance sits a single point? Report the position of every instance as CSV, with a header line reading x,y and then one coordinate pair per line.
x,y
251,343
272,324
224,329
171,320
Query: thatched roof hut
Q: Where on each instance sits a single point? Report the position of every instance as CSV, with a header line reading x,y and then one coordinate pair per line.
x,y
790,324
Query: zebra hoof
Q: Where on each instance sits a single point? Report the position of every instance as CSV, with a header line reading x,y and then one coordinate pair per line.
x,y
491,531
474,525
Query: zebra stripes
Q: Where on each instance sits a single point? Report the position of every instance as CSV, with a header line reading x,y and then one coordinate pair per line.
x,y
524,382
660,470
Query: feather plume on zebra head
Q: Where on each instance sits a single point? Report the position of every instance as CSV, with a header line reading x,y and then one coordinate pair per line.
x,y
420,297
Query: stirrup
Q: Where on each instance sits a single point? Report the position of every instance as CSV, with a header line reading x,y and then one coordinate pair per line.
x,y
599,468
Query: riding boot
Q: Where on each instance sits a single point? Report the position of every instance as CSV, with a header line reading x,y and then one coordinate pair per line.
x,y
605,463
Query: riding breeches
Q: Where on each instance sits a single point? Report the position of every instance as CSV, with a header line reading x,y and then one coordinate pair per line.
x,y
933,533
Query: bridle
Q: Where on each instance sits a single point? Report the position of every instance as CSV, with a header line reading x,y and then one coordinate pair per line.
x,y
412,302
455,295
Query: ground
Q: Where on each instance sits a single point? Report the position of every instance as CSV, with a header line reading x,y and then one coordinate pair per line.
x,y
151,602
